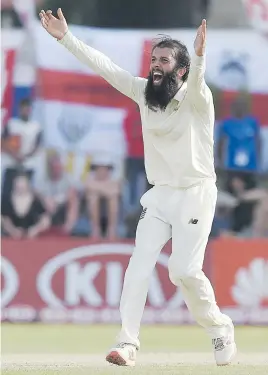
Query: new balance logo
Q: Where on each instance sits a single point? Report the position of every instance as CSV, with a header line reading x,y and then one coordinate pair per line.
x,y
143,213
193,221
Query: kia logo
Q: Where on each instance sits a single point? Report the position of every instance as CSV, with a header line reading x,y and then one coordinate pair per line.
x,y
80,278
11,282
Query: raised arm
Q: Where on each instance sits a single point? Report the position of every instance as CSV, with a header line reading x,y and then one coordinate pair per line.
x,y
196,86
97,61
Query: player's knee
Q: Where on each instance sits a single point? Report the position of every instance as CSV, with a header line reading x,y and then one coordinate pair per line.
x,y
186,276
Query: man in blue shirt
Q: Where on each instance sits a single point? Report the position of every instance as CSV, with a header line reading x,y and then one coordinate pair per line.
x,y
239,140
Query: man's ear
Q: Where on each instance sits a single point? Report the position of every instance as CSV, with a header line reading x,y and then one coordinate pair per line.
x,y
181,72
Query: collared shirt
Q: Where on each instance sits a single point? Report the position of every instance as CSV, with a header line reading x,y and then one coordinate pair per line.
x,y
178,142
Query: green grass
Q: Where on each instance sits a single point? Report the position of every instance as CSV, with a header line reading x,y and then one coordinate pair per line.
x,y
38,338
30,340
151,370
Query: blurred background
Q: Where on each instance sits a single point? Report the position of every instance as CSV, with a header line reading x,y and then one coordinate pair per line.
x,y
72,160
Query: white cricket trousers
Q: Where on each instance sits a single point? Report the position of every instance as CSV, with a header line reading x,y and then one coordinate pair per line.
x,y
186,215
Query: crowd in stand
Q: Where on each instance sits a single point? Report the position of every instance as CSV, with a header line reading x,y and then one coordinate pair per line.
x,y
39,196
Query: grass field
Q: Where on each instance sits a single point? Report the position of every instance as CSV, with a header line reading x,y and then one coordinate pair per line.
x,y
80,350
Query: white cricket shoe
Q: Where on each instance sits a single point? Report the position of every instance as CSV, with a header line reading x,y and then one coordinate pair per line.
x,y
225,347
122,354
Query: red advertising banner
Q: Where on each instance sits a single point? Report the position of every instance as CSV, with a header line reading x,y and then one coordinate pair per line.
x,y
75,280
71,280
240,278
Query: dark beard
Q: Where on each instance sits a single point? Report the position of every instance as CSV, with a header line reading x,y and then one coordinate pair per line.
x,y
160,96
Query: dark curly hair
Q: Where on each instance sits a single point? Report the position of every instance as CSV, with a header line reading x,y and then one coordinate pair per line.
x,y
181,53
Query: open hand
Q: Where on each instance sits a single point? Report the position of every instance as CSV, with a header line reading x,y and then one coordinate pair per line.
x,y
200,40
57,27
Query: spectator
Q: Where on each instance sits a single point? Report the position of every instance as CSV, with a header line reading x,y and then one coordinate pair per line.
x,y
221,223
58,196
21,141
135,171
22,213
239,145
246,205
260,216
103,187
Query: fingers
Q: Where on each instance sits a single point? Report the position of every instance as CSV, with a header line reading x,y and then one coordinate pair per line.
x,y
204,27
60,14
46,15
43,15
44,23
201,31
50,15
44,19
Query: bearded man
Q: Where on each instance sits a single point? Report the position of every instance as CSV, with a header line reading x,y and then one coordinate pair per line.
x,y
177,114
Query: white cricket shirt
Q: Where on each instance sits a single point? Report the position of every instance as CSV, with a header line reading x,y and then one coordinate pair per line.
x,y
28,133
178,143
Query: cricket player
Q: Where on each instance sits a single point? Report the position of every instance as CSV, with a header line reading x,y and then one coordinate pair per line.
x,y
177,114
